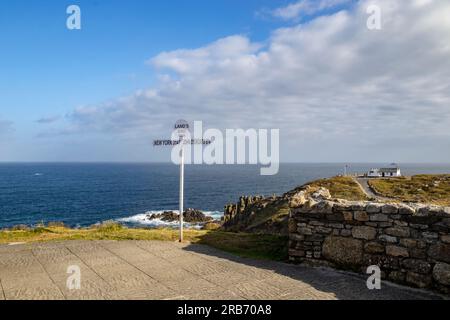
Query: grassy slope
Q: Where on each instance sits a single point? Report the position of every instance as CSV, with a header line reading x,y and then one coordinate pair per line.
x,y
421,188
243,244
341,188
268,219
270,215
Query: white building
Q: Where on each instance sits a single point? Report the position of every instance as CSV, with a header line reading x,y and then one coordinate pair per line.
x,y
385,172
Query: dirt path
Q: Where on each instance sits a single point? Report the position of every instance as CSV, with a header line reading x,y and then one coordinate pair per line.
x,y
364,184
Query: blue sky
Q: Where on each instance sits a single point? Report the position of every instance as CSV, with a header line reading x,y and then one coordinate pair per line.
x,y
59,69
75,81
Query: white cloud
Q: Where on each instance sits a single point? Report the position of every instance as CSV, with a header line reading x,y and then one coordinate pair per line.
x,y
306,8
199,60
337,90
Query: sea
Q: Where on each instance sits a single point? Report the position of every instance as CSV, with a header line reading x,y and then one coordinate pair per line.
x,y
83,194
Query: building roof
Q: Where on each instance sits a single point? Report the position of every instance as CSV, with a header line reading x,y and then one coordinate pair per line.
x,y
394,170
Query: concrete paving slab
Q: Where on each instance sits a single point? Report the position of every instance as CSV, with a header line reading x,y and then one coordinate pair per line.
x,y
167,270
2,294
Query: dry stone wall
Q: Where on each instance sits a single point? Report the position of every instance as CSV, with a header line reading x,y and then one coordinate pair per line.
x,y
410,243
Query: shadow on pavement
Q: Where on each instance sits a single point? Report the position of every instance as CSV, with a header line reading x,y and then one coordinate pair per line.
x,y
341,285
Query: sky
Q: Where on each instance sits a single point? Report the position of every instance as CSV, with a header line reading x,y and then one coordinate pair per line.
x,y
337,91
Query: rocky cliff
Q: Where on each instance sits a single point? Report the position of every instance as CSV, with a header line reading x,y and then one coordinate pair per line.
x,y
258,214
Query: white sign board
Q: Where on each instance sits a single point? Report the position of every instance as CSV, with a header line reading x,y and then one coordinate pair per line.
x,y
182,128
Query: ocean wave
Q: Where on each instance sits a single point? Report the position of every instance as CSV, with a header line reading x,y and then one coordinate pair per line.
x,y
142,219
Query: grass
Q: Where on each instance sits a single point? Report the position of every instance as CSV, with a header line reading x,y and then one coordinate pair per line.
x,y
434,189
242,244
251,245
342,188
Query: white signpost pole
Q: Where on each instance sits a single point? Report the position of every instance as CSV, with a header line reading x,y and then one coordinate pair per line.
x,y
182,128
181,190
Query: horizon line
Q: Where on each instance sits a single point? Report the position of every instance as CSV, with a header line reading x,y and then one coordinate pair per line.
x,y
169,162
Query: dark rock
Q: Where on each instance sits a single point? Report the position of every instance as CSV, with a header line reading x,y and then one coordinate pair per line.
x,y
440,252
359,206
314,237
408,243
379,217
397,276
440,227
195,216
336,217
418,266
346,233
296,253
417,253
389,209
381,260
374,247
441,273
168,216
340,207
424,220
373,208
418,280
343,251
324,207
361,216
387,238
397,251
323,230
406,210
190,216
366,233
398,232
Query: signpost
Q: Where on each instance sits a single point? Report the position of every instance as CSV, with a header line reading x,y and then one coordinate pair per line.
x,y
182,130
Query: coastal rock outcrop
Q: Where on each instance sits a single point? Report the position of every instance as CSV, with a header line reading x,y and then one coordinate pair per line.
x,y
269,215
189,215
257,214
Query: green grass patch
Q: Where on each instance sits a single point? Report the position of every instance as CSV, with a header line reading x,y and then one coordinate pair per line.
x,y
258,246
433,189
242,244
341,188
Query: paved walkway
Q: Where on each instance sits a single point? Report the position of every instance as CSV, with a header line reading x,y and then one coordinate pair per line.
x,y
166,270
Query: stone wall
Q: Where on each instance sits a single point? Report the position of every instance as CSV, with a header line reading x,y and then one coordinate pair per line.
x,y
410,243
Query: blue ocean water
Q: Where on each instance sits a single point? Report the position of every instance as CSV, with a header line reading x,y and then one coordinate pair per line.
x,y
85,194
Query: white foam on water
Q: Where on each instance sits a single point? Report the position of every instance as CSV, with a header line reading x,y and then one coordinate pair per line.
x,y
143,219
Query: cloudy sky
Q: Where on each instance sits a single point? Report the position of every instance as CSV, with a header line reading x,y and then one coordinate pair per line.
x,y
337,91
